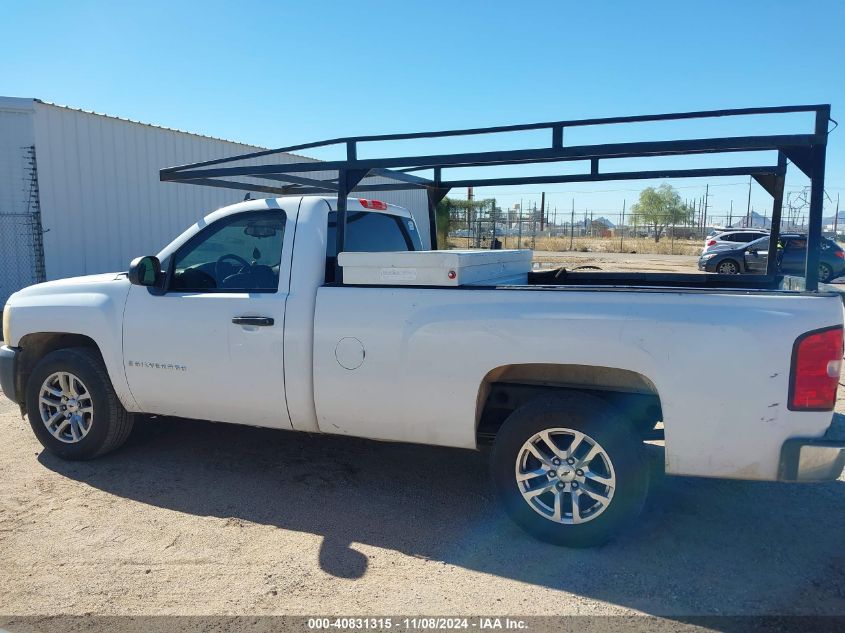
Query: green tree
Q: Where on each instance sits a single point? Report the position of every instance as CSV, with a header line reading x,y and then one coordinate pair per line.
x,y
443,219
658,208
452,214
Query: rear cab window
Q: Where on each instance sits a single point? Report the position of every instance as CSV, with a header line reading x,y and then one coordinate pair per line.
x,y
371,232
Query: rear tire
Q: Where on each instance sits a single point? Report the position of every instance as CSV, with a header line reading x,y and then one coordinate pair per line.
x,y
825,273
72,407
578,425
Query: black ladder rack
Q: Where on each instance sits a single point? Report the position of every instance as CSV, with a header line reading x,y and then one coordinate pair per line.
x,y
301,177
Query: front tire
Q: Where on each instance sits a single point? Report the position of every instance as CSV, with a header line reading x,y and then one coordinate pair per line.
x,y
728,267
72,407
570,470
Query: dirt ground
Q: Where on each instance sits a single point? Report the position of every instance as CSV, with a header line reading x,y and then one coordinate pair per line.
x,y
619,262
199,518
602,245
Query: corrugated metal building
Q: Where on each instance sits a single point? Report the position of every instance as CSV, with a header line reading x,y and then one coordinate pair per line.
x,y
80,194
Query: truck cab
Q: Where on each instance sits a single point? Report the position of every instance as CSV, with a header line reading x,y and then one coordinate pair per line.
x,y
218,315
204,330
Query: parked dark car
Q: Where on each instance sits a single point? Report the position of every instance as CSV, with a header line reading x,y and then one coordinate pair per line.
x,y
792,251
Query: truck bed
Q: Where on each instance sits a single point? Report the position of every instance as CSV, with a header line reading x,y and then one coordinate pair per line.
x,y
563,277
412,364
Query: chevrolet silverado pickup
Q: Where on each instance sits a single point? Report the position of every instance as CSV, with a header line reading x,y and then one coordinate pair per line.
x,y
241,319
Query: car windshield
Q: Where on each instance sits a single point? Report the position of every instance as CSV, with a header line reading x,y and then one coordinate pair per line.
x,y
760,242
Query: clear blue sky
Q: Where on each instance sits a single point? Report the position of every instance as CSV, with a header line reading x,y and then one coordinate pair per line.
x,y
280,73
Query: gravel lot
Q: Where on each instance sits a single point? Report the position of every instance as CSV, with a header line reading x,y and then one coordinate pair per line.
x,y
199,518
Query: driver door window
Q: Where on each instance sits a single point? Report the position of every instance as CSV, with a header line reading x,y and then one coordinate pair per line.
x,y
241,253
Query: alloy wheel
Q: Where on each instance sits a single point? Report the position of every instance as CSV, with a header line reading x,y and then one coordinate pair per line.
x,y
728,268
66,407
565,476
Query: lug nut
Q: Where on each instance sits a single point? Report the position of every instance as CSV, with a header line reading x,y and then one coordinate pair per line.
x,y
570,461
560,486
579,472
574,484
552,474
556,461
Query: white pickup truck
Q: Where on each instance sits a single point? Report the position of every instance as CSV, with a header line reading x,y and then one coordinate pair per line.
x,y
237,320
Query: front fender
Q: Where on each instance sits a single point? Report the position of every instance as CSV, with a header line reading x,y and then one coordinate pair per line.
x,y
73,308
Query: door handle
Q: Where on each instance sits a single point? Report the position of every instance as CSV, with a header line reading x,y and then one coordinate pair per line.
x,y
253,320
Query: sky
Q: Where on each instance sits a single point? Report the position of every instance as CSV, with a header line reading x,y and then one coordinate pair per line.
x,y
281,73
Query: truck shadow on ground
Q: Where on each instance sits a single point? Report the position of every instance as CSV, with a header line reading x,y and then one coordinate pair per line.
x,y
702,546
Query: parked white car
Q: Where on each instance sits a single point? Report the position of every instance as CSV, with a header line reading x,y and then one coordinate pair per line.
x,y
240,319
732,238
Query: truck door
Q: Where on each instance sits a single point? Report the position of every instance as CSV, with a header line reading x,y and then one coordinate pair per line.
x,y
209,344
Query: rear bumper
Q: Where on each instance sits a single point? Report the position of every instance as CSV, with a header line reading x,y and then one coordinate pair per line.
x,y
815,459
8,374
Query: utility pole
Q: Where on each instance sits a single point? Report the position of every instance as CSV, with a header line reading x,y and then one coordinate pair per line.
x,y
572,225
836,217
542,209
622,228
519,226
471,228
493,216
731,215
748,208
704,218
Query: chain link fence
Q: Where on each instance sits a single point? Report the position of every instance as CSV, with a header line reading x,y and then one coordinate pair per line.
x,y
20,239
482,224
21,233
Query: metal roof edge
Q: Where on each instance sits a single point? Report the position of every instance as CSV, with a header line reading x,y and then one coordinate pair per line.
x,y
28,104
17,103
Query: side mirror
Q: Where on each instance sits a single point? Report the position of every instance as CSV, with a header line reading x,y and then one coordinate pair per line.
x,y
145,271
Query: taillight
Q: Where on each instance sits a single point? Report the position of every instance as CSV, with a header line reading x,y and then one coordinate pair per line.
x,y
816,362
373,204
711,242
839,254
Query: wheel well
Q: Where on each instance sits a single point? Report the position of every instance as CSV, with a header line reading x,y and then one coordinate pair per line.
x,y
506,388
36,346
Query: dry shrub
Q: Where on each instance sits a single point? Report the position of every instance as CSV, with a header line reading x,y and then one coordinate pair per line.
x,y
595,245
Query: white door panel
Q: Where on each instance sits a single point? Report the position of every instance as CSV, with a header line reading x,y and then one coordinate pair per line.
x,y
188,352
185,357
